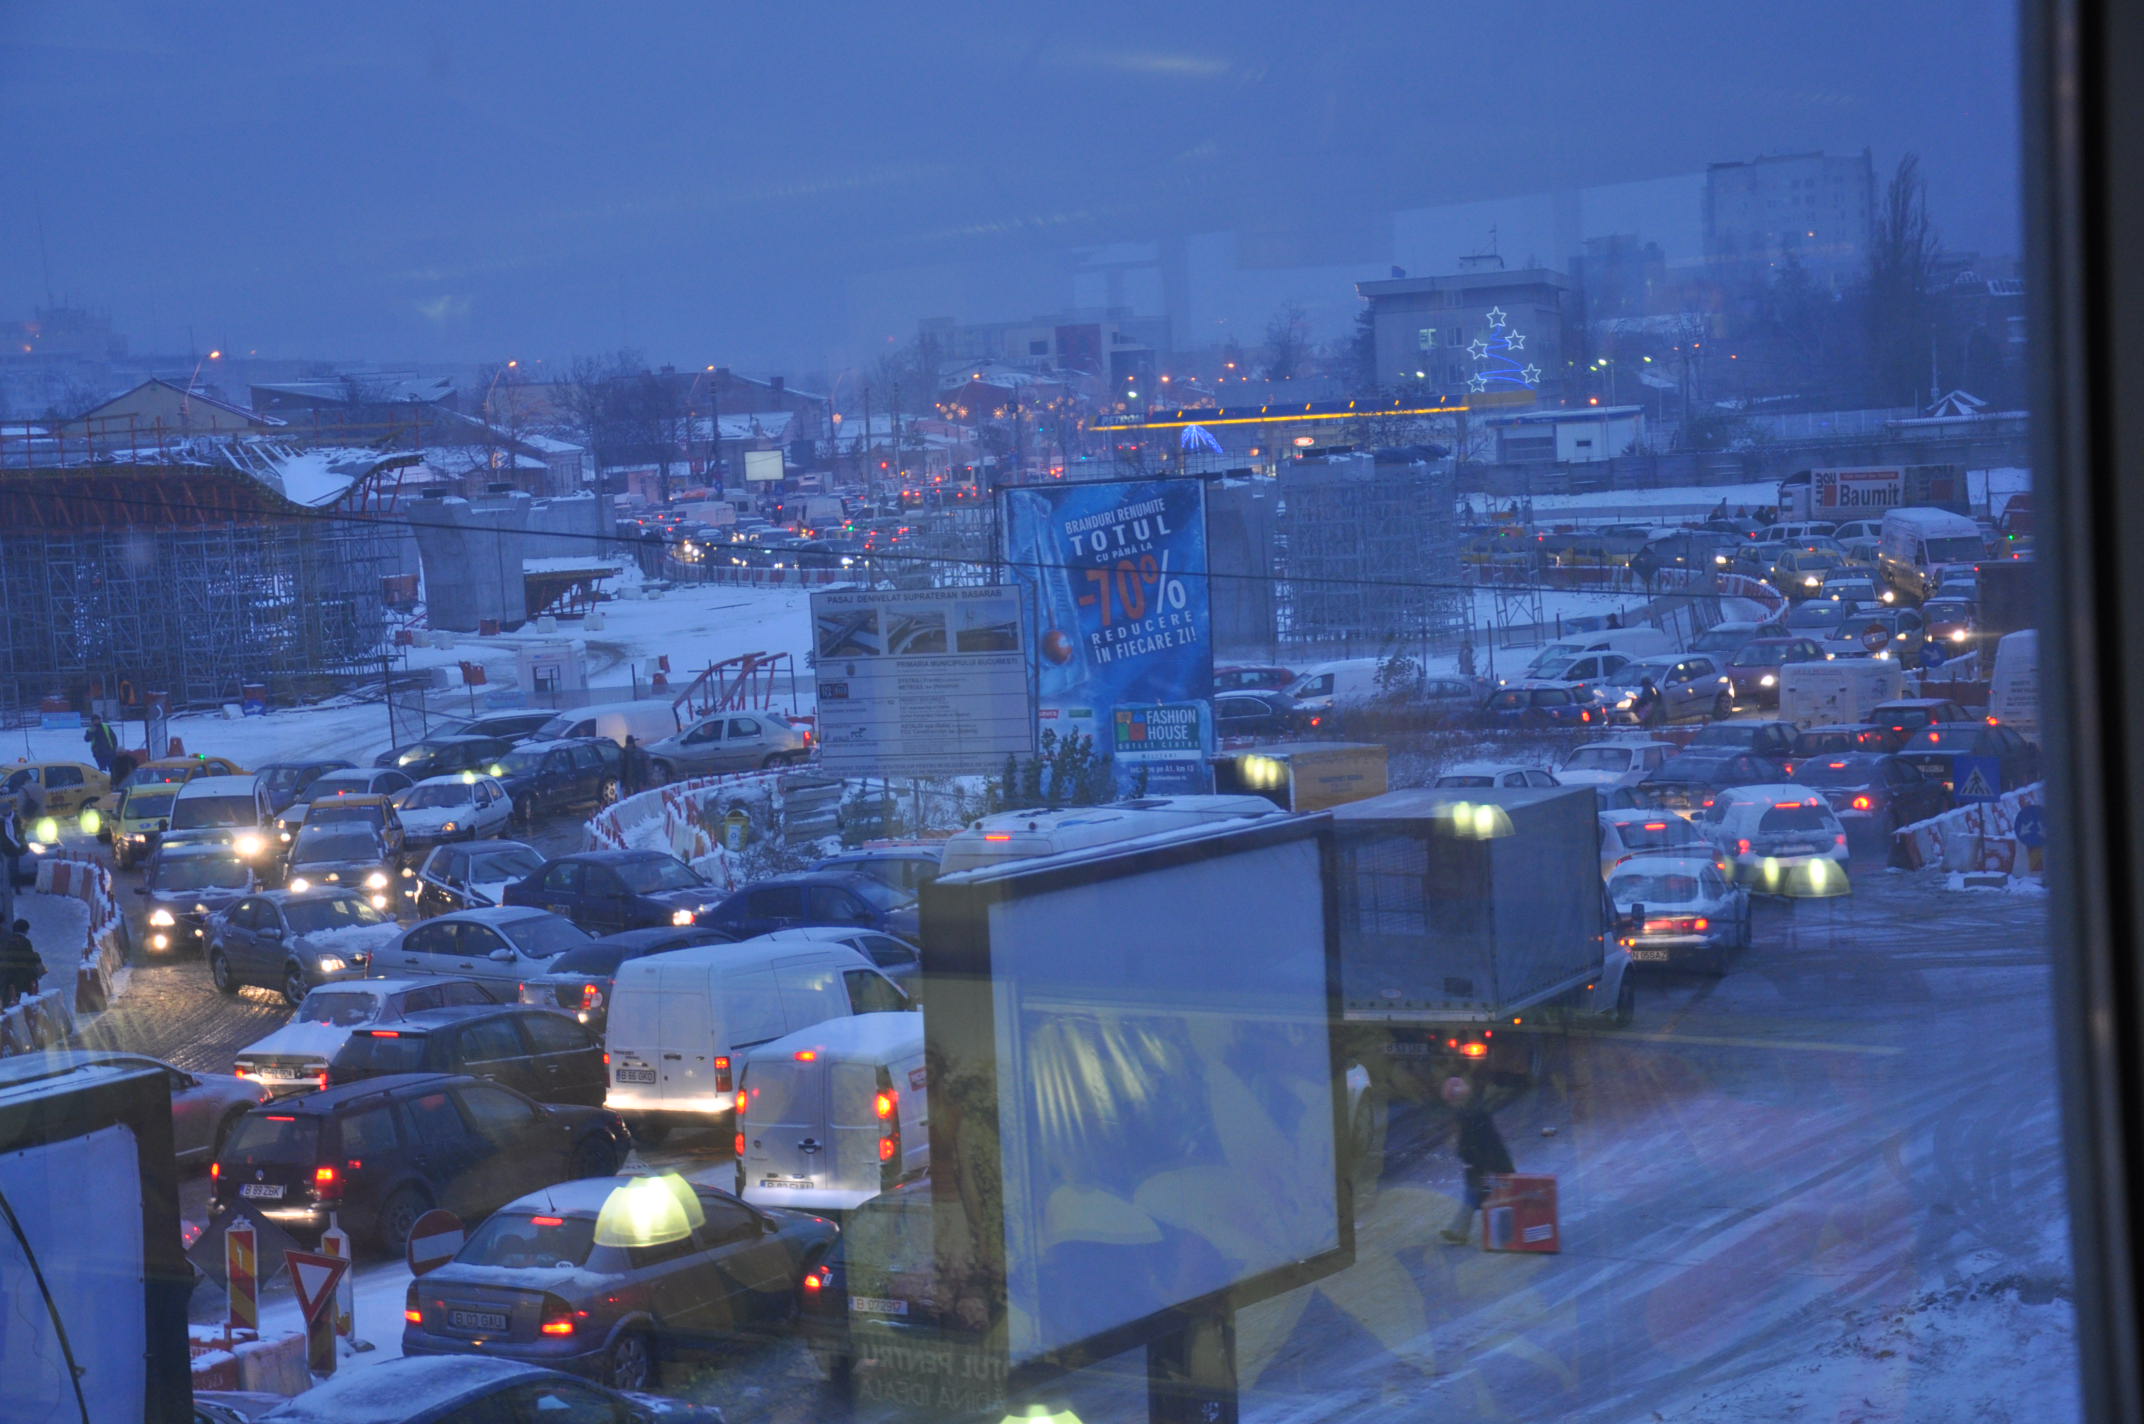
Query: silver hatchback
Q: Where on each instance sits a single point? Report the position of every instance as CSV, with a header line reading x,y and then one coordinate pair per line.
x,y
730,741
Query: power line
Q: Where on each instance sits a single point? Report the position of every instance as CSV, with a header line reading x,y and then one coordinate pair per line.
x,y
238,516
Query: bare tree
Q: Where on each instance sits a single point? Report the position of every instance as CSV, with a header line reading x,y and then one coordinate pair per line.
x,y
1287,349
1903,248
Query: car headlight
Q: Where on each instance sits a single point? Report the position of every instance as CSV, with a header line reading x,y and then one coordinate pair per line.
x,y
377,880
162,917
283,834
300,885
681,917
1811,582
332,964
450,826
139,838
1768,680
379,902
92,820
1957,635
406,871
159,941
249,844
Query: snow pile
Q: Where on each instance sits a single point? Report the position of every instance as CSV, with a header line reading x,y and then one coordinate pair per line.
x,y
348,939
2008,1343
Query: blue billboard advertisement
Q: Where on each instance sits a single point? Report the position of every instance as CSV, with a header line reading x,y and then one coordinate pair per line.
x,y
1122,639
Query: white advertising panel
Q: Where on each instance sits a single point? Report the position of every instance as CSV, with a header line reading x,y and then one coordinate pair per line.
x,y
931,682
763,464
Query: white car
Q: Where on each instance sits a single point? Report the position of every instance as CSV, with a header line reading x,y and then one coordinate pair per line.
x,y
461,806
1683,911
1474,775
1626,835
1780,837
1613,762
295,1057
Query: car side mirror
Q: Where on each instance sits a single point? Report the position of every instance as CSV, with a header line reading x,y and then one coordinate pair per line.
x,y
272,932
502,955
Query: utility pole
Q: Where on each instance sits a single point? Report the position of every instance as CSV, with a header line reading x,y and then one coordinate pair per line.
x,y
863,451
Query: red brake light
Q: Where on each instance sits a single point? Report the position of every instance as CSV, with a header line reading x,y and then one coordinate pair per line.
x,y
385,1032
1863,803
722,1074
561,1326
1741,847
1317,721
215,1171
1701,923
886,1148
1837,765
547,1221
1474,1050
815,1279
807,1055
997,835
273,1117
1656,825
590,996
885,1104
558,1317
323,1175
740,1145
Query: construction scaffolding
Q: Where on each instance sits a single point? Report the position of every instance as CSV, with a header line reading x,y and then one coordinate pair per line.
x,y
187,576
1368,558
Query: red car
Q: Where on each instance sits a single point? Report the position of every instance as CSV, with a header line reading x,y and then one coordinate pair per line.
x,y
1251,677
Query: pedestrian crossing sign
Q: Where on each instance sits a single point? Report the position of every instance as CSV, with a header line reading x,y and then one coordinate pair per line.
x,y
1977,779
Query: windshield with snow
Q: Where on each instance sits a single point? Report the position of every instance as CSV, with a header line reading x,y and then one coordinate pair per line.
x,y
339,1008
439,795
331,912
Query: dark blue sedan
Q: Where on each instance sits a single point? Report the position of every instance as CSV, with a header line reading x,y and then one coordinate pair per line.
x,y
816,897
605,891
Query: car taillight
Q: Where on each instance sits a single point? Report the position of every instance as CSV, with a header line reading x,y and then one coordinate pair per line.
x,y
327,1184
889,1145
1840,838
1862,803
559,1318
885,1103
412,1306
1474,1050
215,1171
815,1279
722,1075
1741,847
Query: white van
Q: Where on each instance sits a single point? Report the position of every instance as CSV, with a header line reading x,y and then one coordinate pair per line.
x,y
832,1115
2014,689
1019,835
650,719
681,1022
237,808
1837,691
1918,544
1328,685
1585,658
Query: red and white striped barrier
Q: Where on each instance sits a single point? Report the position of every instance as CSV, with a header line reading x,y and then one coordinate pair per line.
x,y
50,1017
1983,834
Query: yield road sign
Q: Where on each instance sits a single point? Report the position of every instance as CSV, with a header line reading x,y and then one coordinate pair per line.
x,y
315,1277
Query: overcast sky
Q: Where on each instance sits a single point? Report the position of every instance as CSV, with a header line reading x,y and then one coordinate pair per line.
x,y
791,186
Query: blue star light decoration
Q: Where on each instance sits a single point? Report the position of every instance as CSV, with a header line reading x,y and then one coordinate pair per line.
x,y
1495,368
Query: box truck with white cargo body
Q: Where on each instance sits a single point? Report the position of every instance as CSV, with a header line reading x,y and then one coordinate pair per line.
x,y
1842,493
831,1115
1464,924
1837,691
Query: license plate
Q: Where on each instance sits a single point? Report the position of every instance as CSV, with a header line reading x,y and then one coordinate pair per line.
x,y
790,1182
295,1075
878,1305
1406,1050
1795,850
635,1075
273,1191
1649,955
477,1320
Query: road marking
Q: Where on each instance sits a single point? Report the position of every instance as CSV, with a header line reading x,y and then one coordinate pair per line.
x,y
1726,1041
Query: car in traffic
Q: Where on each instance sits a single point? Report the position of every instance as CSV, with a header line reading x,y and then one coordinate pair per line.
x,y
1953,622
229,810
1771,740
1682,911
511,726
1529,705
605,891
500,945
286,781
142,816
1773,828
1612,761
1637,831
1850,586
1477,775
1799,573
60,789
181,769
1257,714
1684,685
464,806
1754,668
181,887
1874,789
1842,737
205,1107
730,741
537,1052
471,874
435,1390
1250,677
295,1057
382,1152
1881,632
1724,640
579,980
349,854
906,867
1955,754
376,813
897,958
442,756
545,778
549,1279
294,940
815,897
1690,783
359,781
1907,715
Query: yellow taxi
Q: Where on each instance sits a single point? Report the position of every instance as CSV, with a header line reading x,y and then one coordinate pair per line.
x,y
182,769
69,788
143,811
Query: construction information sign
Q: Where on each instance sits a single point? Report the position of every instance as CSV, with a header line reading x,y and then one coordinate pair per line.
x,y
930,682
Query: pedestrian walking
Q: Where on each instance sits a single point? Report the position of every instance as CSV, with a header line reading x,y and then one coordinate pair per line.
x,y
103,743
21,967
11,853
1482,1155
633,766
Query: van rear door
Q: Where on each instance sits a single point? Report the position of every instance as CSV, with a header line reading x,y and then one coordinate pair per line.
x,y
632,1034
685,1068
788,1146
